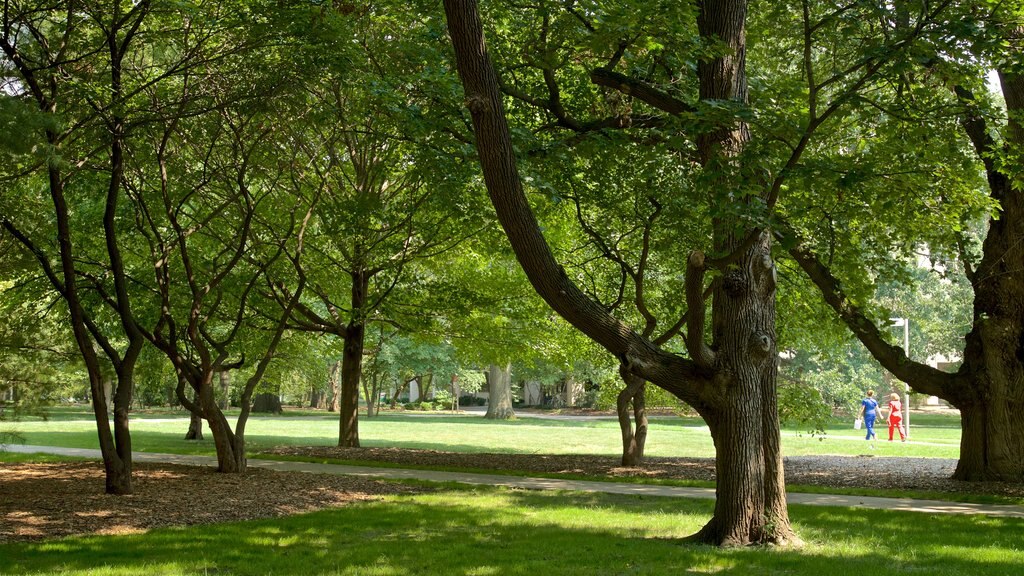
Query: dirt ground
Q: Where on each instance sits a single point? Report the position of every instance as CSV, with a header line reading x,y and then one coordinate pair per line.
x,y
39,501
49,500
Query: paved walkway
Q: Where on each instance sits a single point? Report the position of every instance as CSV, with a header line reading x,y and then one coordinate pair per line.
x,y
901,504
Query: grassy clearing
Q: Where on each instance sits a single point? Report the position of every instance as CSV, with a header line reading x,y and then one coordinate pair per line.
x,y
484,532
933,435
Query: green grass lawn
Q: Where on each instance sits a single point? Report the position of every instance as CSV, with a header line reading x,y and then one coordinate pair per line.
x,y
933,435
486,532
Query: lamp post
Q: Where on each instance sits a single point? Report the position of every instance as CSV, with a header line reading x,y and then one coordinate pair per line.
x,y
905,323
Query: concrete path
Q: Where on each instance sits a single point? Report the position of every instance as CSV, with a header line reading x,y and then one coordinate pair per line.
x,y
901,504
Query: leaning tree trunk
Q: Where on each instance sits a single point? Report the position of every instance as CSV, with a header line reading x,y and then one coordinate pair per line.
x,y
632,440
499,389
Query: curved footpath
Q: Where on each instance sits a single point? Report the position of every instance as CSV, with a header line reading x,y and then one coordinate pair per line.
x,y
902,504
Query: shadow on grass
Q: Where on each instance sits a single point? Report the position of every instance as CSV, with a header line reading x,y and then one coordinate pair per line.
x,y
515,532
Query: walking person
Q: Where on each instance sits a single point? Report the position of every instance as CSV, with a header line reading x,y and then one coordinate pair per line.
x,y
896,416
869,411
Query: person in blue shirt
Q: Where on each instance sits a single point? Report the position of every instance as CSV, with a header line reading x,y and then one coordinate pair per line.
x,y
869,411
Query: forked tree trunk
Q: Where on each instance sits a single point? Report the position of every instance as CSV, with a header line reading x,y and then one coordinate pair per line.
x,y
750,503
633,441
988,389
230,447
119,469
992,440
426,382
499,389
195,423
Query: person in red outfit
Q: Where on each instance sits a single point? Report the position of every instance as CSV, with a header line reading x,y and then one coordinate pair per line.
x,y
896,416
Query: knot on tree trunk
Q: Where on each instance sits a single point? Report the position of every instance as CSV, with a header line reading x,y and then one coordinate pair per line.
x,y
734,283
477,103
760,344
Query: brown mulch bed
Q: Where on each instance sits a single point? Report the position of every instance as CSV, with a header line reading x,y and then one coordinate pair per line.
x,y
63,499
887,473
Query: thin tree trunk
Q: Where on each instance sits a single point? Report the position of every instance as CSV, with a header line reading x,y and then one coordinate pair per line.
x,y
499,389
195,423
335,380
632,441
224,396
425,381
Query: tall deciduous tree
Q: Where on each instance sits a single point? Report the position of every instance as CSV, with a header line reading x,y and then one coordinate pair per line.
x,y
369,151
731,383
729,374
987,386
73,60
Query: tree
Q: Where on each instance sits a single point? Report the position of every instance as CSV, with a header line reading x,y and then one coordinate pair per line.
x,y
373,159
73,59
217,226
738,403
986,387
731,380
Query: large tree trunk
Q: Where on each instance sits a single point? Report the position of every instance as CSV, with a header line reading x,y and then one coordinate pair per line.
x,y
573,389
992,436
750,503
352,364
632,396
992,440
316,398
499,391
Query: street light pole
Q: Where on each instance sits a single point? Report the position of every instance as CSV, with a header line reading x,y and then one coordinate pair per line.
x,y
905,323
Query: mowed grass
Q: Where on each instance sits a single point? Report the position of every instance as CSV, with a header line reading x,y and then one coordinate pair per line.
x,y
484,532
933,435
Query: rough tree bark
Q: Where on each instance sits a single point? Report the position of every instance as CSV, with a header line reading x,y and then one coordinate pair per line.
x,y
499,393
352,364
731,382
